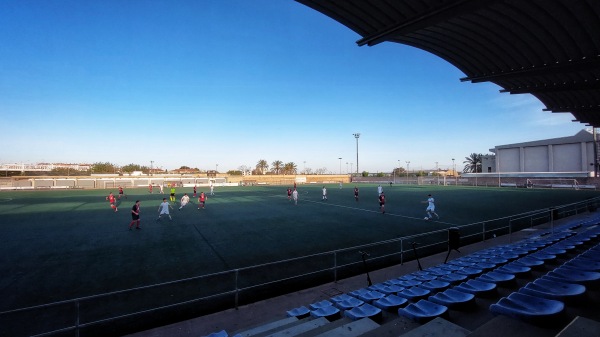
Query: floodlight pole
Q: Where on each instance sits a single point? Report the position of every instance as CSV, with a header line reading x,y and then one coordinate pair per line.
x,y
340,158
356,135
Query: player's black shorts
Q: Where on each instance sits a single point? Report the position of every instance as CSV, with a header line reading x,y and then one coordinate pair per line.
x,y
135,216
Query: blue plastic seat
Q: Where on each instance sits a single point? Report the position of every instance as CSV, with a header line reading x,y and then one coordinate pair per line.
x,y
386,289
469,272
484,265
451,267
498,260
414,293
552,250
357,292
528,308
513,269
590,255
477,288
583,264
564,245
546,257
500,279
390,302
348,304
509,256
330,312
324,303
529,262
569,275
521,251
435,285
404,283
461,263
407,277
453,299
453,278
364,311
425,278
553,290
423,311
438,271
300,312
370,296
342,297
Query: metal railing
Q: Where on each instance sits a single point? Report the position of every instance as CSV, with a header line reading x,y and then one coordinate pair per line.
x,y
130,310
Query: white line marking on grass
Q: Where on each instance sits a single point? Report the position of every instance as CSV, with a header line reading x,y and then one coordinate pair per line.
x,y
6,199
372,211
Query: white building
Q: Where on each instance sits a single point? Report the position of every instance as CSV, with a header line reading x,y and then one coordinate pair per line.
x,y
574,154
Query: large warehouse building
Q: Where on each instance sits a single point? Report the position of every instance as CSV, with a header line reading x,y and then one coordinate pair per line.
x,y
574,155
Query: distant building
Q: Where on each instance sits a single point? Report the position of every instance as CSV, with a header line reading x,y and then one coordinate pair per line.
x,y
565,154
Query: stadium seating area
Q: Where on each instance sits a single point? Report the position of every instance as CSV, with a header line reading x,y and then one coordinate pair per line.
x,y
545,285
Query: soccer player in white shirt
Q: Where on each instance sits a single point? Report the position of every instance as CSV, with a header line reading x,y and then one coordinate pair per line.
x,y
295,196
324,193
184,201
163,208
430,207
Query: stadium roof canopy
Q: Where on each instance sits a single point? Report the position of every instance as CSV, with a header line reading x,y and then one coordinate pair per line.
x,y
547,48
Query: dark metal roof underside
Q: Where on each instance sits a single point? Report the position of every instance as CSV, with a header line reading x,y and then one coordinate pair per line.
x,y
548,48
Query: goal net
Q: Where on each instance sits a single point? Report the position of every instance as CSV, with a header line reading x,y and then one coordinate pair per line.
x,y
553,183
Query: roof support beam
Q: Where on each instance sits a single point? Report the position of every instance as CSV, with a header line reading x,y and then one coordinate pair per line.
x,y
574,109
584,64
555,87
424,20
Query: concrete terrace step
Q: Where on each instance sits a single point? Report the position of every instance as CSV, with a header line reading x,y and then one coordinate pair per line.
x,y
325,328
581,327
270,326
304,325
502,326
438,327
352,329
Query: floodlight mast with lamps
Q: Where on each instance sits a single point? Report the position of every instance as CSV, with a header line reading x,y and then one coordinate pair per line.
x,y
356,135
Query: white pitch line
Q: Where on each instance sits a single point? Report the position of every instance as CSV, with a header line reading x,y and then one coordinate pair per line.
x,y
372,211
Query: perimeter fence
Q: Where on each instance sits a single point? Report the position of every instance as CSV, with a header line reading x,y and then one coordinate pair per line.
x,y
127,311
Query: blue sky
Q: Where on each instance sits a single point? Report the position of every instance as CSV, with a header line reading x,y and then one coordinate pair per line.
x,y
201,83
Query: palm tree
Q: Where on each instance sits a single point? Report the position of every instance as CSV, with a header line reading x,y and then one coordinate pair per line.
x,y
276,166
289,168
262,166
473,163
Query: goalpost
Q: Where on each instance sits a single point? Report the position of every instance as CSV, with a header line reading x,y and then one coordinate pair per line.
x,y
553,183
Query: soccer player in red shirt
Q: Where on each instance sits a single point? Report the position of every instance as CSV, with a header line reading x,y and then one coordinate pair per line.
x,y
289,191
135,215
201,200
113,202
382,202
121,193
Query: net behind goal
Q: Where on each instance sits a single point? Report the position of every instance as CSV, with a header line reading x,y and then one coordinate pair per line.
x,y
553,183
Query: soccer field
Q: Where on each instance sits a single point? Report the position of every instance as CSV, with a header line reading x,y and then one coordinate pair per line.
x,y
65,244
